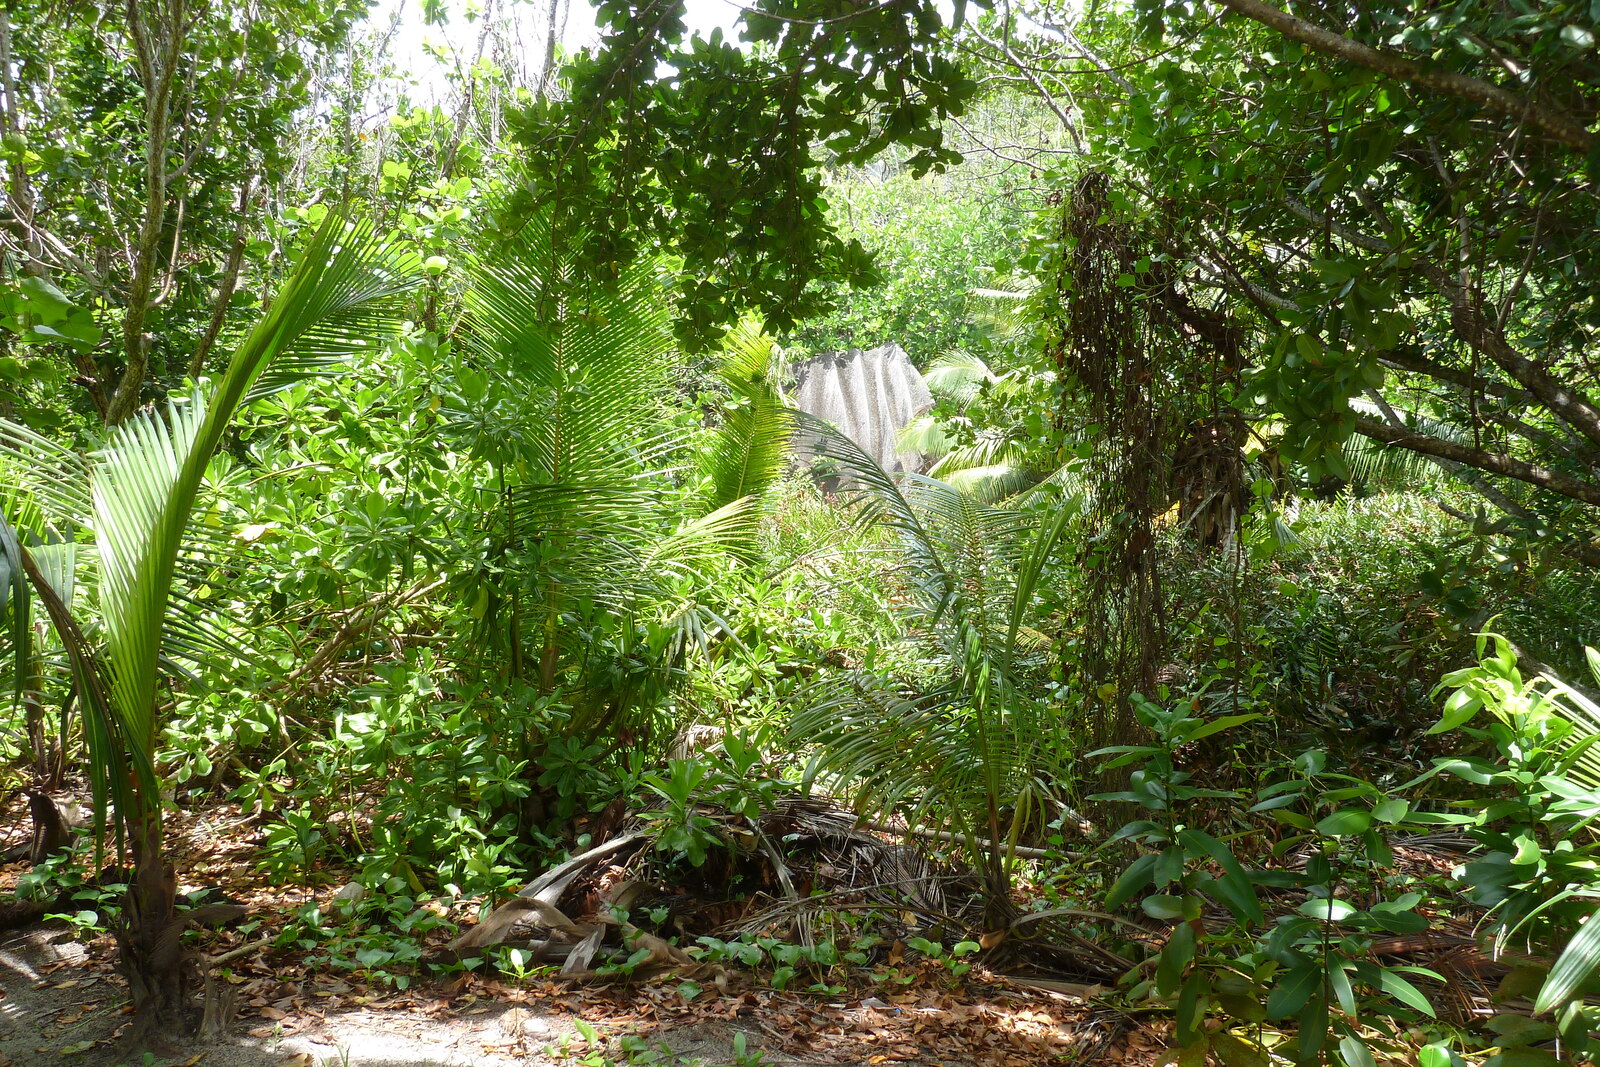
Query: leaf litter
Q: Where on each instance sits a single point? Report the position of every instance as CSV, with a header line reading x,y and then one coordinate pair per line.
x,y
63,998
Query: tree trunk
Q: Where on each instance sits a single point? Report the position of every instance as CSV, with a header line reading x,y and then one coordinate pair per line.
x,y
158,41
555,23
38,743
151,955
50,830
998,910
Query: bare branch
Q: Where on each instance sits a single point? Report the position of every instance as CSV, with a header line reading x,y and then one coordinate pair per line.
x,y
1482,459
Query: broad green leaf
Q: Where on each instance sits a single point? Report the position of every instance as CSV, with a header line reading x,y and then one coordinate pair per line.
x,y
1163,907
1525,1057
1135,878
1344,823
1326,909
1235,1052
1437,1054
1513,1030
1234,888
1391,810
1293,990
1404,991
1355,1052
1219,724
1186,1018
1245,1009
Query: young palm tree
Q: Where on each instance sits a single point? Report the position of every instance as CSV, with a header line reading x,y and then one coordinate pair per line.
x,y
597,557
998,462
976,752
128,504
749,450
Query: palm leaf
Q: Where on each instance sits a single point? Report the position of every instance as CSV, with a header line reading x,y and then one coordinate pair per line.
x,y
16,607
147,477
565,397
748,450
958,377
1374,464
45,484
141,487
925,435
114,779
876,496
974,748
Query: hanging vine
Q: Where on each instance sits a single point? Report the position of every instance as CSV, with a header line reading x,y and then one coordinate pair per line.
x,y
1150,377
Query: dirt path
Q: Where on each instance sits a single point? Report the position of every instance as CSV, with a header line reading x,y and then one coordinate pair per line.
x,y
61,1004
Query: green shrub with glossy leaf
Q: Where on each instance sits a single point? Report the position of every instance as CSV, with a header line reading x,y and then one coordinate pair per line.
x,y
1536,871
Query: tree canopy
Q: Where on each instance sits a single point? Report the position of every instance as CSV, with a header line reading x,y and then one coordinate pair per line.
x,y
714,151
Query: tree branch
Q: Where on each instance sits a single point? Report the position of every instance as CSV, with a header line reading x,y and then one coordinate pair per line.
x,y
1554,122
1479,329
230,283
1406,360
1481,459
158,42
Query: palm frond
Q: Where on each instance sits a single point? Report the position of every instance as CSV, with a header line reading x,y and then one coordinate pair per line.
x,y
958,377
974,752
564,397
594,367
994,467
748,451
336,303
114,778
888,750
1373,464
992,483
925,435
1002,313
1582,711
138,532
749,354
142,484
16,604
876,496
701,543
44,485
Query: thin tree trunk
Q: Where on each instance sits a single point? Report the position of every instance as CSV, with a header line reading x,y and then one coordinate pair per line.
x,y
469,96
230,283
38,743
553,28
158,43
20,188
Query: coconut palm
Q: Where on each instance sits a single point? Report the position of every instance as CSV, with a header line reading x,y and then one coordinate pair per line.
x,y
125,508
598,553
975,752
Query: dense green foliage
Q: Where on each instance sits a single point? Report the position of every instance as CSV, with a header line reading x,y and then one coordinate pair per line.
x,y
141,144
934,242
493,538
1385,204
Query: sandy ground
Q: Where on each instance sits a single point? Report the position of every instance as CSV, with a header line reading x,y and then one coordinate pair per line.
x,y
56,1008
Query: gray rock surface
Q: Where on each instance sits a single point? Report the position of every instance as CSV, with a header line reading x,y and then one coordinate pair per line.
x,y
869,394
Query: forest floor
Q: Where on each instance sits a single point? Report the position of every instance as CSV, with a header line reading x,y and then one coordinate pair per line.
x,y
62,1002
